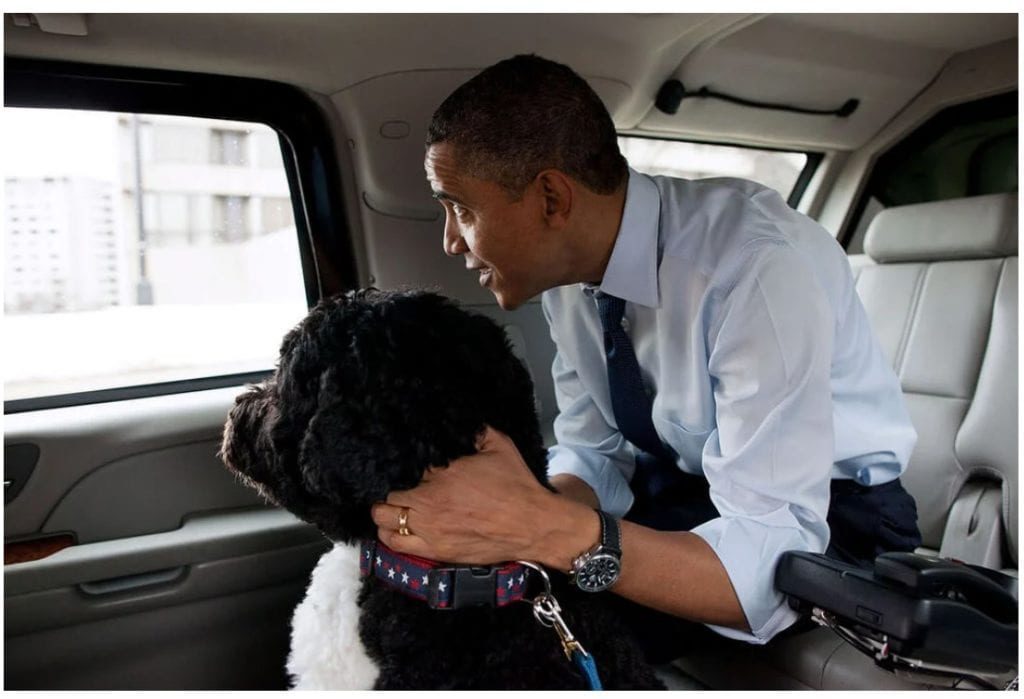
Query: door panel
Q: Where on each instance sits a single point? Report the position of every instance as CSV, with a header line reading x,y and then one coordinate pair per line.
x,y
180,578
156,434
230,642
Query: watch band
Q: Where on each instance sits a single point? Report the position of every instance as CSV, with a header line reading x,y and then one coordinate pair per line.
x,y
611,535
598,569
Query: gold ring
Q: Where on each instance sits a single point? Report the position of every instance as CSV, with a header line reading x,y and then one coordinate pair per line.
x,y
403,522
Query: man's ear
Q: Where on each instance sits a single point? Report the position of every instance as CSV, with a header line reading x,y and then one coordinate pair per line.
x,y
557,192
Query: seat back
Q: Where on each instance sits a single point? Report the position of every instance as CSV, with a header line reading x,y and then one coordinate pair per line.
x,y
939,283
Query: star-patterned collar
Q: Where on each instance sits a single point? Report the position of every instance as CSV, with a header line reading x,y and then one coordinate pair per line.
x,y
444,586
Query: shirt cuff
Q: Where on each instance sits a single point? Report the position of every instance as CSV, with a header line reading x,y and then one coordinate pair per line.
x,y
599,472
733,539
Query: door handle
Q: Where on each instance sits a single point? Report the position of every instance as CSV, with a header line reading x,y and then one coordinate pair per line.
x,y
125,583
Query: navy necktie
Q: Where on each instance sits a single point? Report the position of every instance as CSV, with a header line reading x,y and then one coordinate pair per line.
x,y
630,402
665,497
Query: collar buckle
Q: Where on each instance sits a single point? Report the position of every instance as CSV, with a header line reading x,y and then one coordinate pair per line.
x,y
470,587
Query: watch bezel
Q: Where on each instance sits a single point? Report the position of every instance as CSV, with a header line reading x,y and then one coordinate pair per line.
x,y
592,558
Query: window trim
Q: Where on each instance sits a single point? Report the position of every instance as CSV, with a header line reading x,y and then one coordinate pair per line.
x,y
814,159
119,393
307,148
803,180
935,124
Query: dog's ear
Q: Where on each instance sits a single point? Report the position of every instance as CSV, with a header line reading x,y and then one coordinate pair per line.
x,y
247,448
347,462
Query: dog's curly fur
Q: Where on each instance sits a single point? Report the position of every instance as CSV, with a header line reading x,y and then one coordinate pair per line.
x,y
371,389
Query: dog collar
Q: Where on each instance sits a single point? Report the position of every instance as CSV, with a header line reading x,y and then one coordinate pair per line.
x,y
443,586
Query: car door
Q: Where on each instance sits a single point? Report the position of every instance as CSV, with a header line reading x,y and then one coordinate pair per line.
x,y
142,295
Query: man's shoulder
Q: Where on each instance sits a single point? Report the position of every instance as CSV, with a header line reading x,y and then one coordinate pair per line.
x,y
725,227
712,187
724,215
720,200
711,222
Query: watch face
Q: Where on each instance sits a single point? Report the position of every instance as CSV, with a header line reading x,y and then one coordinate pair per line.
x,y
598,573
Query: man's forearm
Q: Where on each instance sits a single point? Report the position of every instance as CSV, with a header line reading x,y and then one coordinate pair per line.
x,y
677,573
674,572
575,488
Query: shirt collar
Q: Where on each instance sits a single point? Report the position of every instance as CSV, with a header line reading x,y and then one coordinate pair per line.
x,y
632,272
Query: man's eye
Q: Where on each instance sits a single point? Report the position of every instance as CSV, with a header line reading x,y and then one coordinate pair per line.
x,y
459,211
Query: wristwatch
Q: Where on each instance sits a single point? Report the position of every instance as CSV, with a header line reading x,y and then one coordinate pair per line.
x,y
598,569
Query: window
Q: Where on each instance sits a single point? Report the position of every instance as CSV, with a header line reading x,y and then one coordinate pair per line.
x,y
275,213
166,218
228,147
173,142
963,151
779,170
230,218
177,289
266,146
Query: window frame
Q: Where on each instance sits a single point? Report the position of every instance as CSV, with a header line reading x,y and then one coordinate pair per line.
x,y
307,147
814,159
934,125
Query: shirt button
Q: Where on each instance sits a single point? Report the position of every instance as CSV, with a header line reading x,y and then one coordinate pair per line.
x,y
625,324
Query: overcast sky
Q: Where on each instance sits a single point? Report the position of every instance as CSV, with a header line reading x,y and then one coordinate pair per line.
x,y
55,142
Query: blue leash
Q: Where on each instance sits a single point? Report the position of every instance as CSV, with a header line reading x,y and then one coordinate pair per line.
x,y
585,662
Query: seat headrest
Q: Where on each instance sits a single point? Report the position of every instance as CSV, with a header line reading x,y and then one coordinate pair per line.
x,y
954,229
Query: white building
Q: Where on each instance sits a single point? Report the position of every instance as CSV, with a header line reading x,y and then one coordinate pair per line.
x,y
204,180
211,188
222,282
63,249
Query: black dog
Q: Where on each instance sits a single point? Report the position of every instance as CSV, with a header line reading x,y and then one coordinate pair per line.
x,y
371,389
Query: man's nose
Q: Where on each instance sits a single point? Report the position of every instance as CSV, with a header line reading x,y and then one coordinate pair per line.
x,y
454,244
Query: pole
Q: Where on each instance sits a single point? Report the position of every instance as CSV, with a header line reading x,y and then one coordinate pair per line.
x,y
143,290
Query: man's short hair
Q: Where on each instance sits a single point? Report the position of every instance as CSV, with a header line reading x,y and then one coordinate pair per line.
x,y
526,114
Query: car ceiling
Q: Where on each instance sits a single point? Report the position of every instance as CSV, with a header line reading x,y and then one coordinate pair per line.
x,y
808,60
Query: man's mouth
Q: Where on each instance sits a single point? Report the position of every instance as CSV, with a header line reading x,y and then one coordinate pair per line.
x,y
485,275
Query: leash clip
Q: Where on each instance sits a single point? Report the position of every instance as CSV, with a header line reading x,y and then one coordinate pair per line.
x,y
548,613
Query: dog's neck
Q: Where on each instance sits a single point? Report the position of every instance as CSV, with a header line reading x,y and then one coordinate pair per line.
x,y
442,585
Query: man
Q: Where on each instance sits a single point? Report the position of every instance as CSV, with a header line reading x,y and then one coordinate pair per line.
x,y
715,370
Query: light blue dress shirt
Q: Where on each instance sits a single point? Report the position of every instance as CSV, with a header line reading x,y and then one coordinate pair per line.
x,y
768,378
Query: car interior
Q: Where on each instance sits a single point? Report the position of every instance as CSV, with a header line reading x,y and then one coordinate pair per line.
x,y
134,560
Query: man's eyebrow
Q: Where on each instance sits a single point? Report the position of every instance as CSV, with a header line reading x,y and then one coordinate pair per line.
x,y
439,195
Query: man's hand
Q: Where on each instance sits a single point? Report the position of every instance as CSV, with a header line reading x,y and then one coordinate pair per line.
x,y
486,508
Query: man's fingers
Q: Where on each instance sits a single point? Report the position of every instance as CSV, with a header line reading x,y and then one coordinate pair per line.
x,y
410,544
401,498
388,516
